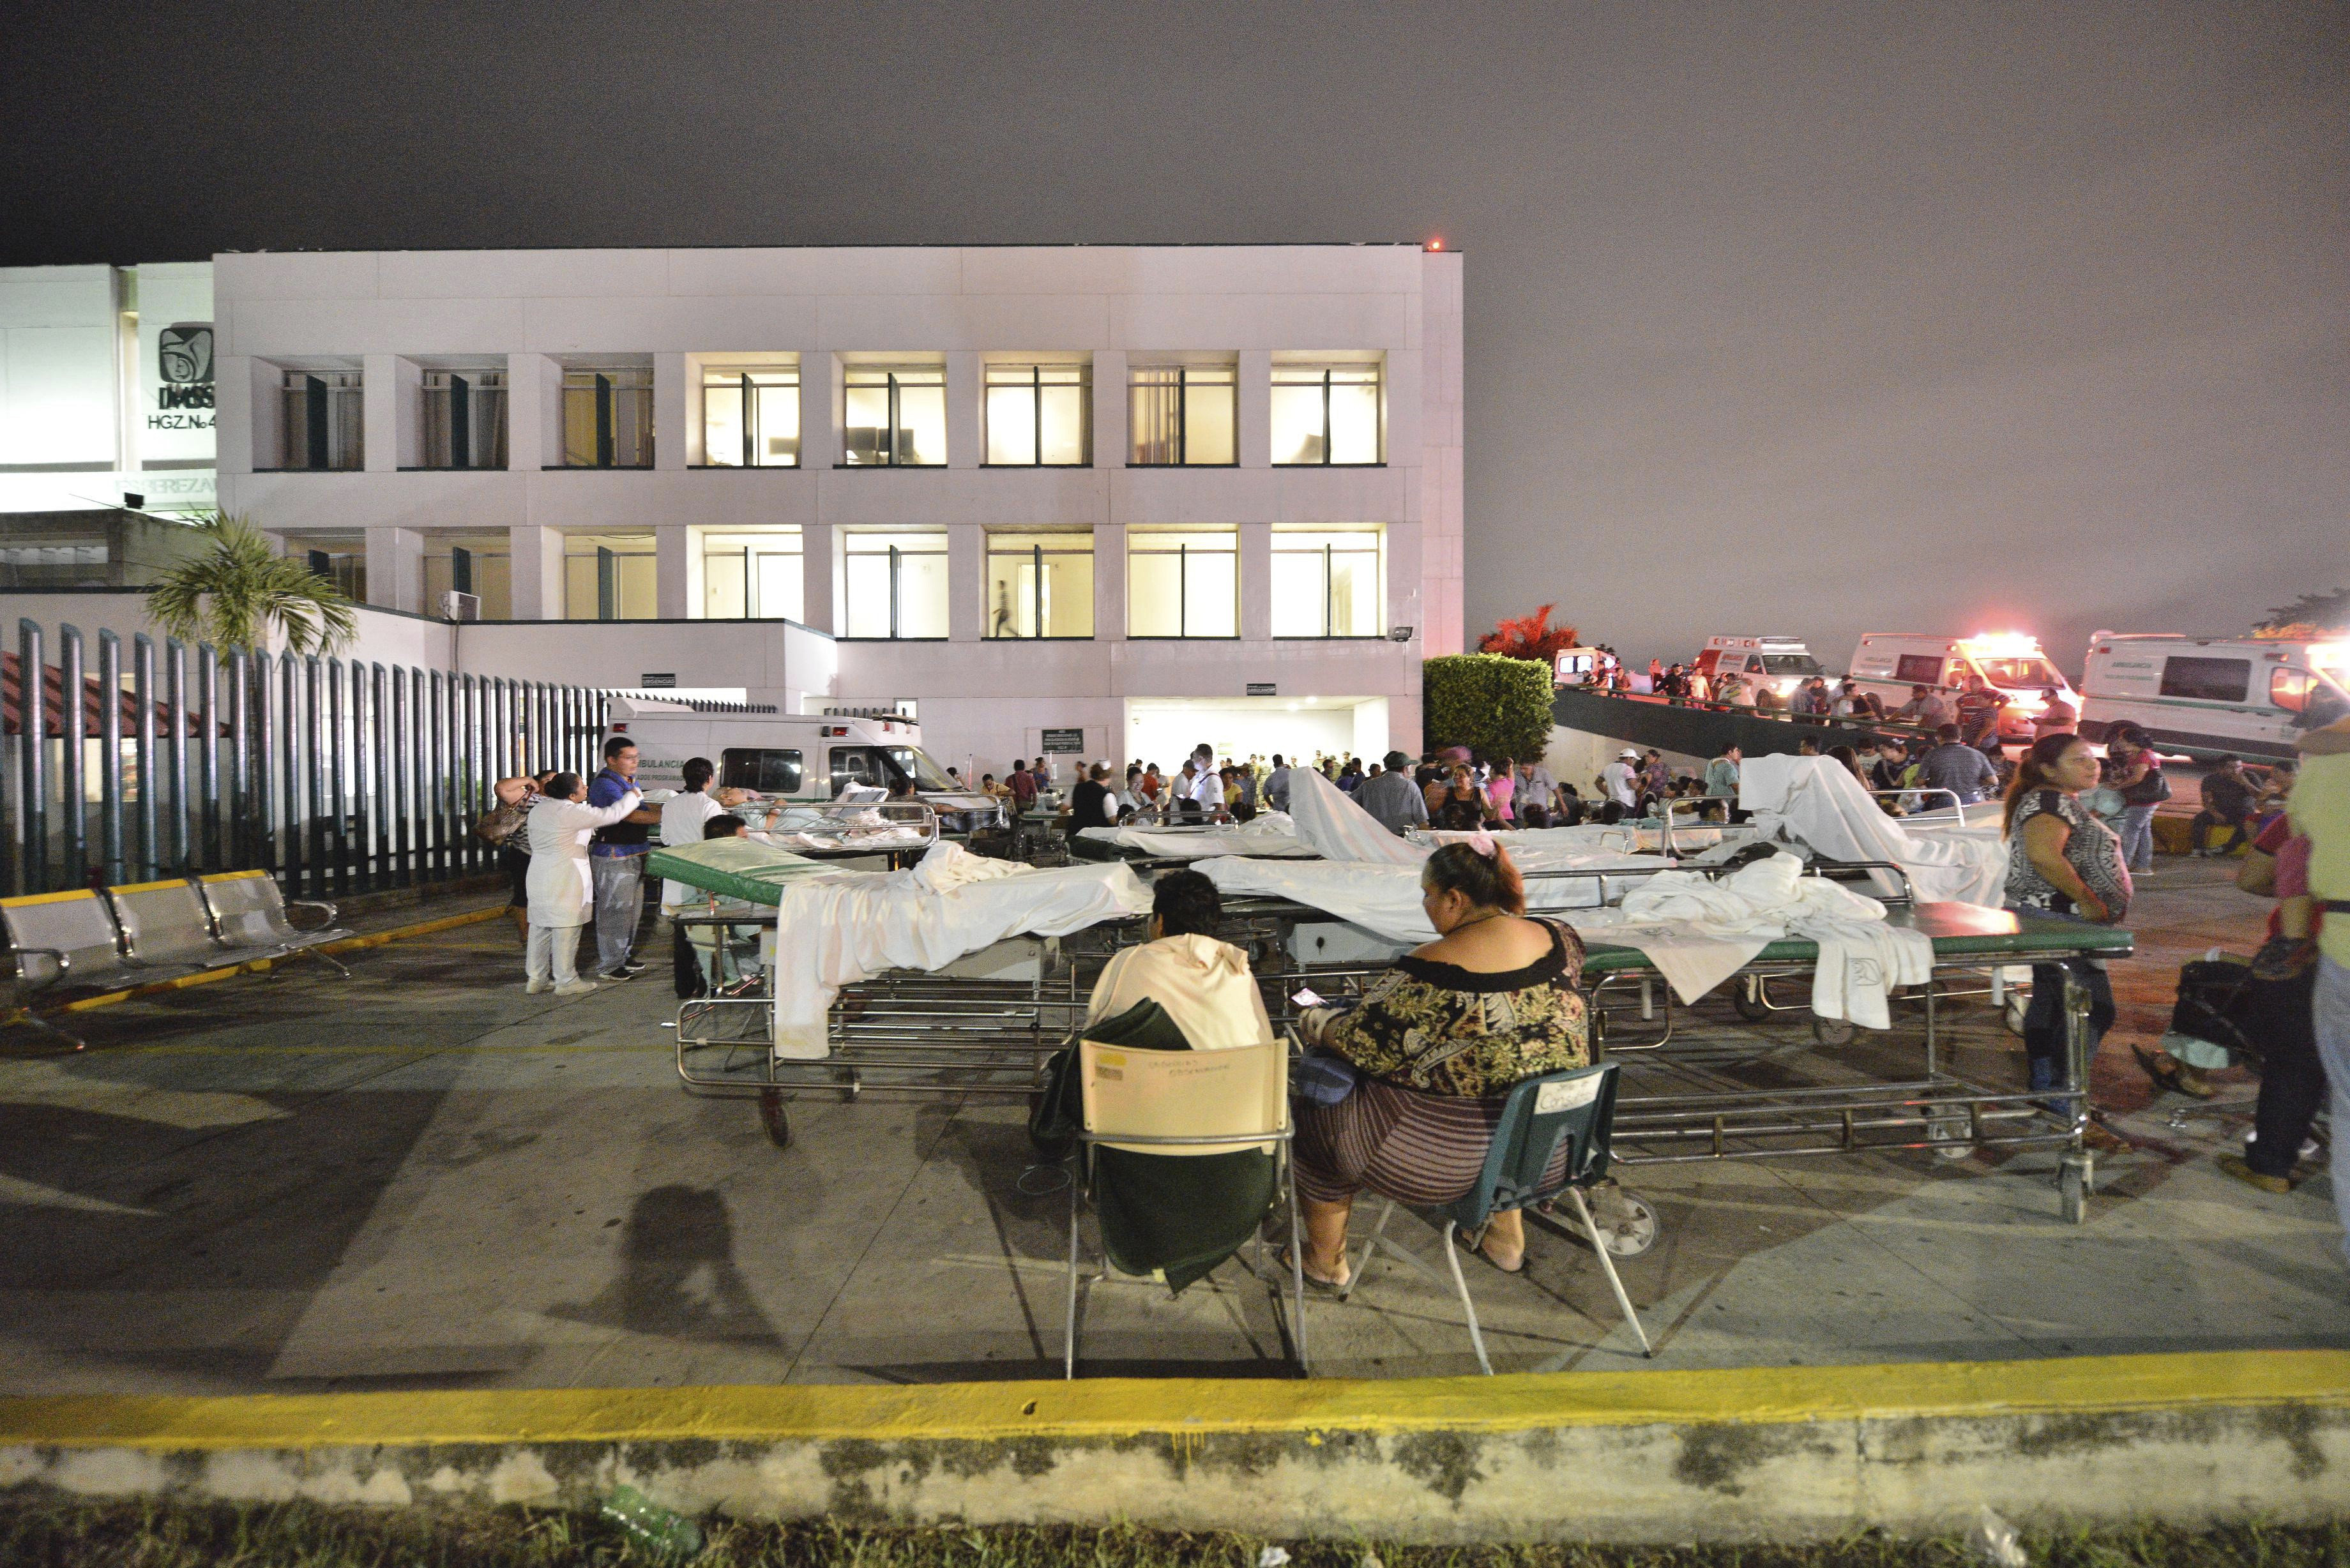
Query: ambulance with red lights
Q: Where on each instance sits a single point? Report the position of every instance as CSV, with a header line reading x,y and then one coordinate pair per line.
x,y
2011,662
1781,663
2213,697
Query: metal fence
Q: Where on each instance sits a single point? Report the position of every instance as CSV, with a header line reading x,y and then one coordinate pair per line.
x,y
336,776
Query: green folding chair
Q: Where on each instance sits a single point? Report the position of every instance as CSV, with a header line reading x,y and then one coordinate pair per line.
x,y
1576,1107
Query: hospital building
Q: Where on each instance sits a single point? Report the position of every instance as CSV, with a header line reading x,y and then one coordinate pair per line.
x,y
1095,500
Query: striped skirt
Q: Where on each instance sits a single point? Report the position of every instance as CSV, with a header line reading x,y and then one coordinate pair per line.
x,y
1422,1150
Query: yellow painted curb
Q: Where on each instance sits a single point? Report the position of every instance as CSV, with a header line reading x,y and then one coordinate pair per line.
x,y
207,977
1115,1408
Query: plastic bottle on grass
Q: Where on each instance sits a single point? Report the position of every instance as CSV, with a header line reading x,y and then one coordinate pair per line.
x,y
664,1533
1996,1542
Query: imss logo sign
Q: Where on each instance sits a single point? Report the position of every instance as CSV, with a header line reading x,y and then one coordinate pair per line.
x,y
183,362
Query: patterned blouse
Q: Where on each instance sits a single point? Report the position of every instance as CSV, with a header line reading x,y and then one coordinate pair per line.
x,y
2093,852
1441,1029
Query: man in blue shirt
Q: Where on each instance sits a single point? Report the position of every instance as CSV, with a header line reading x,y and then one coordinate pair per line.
x,y
616,856
1951,765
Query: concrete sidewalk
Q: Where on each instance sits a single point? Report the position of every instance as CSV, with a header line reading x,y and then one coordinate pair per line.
x,y
422,1178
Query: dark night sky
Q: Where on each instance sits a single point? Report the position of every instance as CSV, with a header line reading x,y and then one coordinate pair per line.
x,y
1780,318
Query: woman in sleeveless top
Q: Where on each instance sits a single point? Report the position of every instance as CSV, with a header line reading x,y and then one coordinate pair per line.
x,y
2063,861
1437,1041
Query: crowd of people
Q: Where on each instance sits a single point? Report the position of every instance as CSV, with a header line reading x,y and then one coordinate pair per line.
x,y
1428,1067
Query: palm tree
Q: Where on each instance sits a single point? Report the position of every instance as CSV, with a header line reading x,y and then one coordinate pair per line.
x,y
243,592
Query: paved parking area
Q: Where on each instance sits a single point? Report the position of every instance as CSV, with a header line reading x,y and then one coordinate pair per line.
x,y
422,1177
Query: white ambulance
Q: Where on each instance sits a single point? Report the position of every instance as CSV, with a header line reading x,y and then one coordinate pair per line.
x,y
2011,662
1781,662
789,756
2212,697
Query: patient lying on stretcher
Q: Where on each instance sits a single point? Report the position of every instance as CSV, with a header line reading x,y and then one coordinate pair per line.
x,y
1202,984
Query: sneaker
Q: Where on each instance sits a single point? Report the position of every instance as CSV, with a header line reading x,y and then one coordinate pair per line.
x,y
537,983
627,968
575,988
2244,1173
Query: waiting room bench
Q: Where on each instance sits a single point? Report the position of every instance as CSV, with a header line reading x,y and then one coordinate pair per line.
x,y
148,932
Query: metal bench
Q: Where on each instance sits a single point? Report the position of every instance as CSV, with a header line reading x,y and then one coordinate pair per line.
x,y
147,932
249,912
61,940
169,929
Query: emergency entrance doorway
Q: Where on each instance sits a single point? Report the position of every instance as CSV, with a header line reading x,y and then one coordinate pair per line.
x,y
1163,730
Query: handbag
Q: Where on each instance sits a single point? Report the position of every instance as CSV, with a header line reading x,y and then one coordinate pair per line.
x,y
500,824
1322,1078
2216,1019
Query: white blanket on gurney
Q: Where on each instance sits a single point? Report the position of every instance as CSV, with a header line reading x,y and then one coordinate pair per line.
x,y
1689,836
1271,834
1700,930
1816,801
1385,900
838,928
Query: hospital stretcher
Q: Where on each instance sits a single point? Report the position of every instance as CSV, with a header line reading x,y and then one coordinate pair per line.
x,y
983,1025
1687,1105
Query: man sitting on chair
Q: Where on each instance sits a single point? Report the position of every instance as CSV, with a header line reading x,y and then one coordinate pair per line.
x,y
1202,984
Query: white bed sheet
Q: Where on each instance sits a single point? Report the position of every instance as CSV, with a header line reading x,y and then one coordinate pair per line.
x,y
1270,833
841,926
1816,801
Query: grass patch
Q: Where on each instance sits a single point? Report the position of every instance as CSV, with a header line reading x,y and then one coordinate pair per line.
x,y
56,1533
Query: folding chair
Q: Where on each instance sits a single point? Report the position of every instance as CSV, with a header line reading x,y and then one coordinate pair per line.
x,y
1170,1107
1577,1107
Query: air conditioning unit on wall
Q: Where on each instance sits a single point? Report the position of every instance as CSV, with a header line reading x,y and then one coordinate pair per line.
x,y
456,606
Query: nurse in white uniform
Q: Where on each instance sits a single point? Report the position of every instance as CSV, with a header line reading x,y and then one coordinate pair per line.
x,y
561,887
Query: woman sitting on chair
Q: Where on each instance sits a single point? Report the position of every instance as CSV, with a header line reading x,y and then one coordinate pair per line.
x,y
1439,1040
1203,984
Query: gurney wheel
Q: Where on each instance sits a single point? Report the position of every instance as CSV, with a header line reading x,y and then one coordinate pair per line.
x,y
1832,1031
772,1117
1628,1224
1753,1004
2072,1190
1950,1135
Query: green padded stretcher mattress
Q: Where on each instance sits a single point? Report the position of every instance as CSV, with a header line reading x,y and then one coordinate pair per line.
x,y
741,868
1957,932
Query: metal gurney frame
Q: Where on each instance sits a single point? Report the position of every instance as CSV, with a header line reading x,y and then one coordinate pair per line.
x,y
983,1025
1937,1110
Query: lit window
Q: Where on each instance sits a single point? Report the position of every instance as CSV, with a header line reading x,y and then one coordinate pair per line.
x,y
1325,583
475,564
896,417
608,417
753,576
464,419
1182,415
766,436
1040,585
341,558
896,584
323,419
1325,414
1183,584
608,577
1039,416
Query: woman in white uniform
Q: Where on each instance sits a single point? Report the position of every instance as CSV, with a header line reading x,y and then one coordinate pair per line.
x,y
562,888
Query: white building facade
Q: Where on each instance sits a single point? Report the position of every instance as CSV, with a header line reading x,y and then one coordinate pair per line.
x,y
106,387
1104,501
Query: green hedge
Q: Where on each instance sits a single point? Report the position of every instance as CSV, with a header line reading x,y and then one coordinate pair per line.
x,y
1494,705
